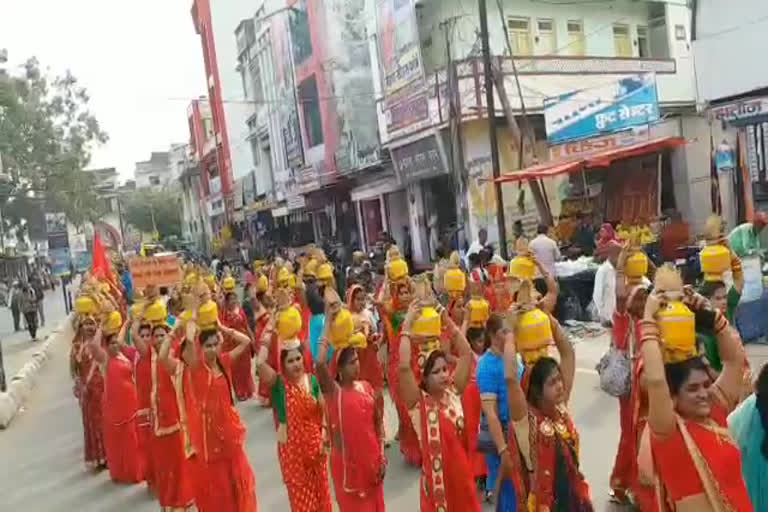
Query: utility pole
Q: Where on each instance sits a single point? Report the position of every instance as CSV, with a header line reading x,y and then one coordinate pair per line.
x,y
492,135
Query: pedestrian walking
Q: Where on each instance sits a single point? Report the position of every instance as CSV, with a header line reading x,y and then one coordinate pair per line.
x,y
16,296
37,286
29,308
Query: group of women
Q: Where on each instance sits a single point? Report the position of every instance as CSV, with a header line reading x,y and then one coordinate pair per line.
x,y
480,376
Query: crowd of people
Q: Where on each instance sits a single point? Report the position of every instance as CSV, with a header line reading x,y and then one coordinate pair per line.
x,y
479,369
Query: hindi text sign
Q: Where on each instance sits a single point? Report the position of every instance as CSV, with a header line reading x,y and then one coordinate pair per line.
x,y
157,270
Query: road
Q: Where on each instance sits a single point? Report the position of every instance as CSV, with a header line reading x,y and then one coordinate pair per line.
x,y
44,470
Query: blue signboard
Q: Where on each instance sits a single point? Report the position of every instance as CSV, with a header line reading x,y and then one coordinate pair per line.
x,y
627,102
61,259
82,260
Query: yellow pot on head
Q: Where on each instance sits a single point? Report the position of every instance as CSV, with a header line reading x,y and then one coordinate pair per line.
x,y
358,340
262,285
715,261
310,269
113,324
533,335
523,268
454,281
288,323
397,269
479,312
86,306
228,284
156,313
677,325
428,324
341,329
207,315
284,277
325,273
636,266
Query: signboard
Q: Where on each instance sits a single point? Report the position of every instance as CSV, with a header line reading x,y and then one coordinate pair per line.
x,y
630,101
61,259
582,148
82,260
418,160
157,270
79,243
399,46
409,106
743,109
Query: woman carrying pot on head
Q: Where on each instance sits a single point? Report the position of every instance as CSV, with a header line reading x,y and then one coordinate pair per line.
x,y
233,317
371,370
435,408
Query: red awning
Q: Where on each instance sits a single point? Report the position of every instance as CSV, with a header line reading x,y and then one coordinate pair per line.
x,y
595,160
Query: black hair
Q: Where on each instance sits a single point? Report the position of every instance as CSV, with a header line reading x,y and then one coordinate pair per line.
x,y
709,288
247,287
207,333
474,258
542,229
429,365
284,353
475,334
540,372
229,294
492,326
145,325
260,295
540,285
761,402
343,359
678,373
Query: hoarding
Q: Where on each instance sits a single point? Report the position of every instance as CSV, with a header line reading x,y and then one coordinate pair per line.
x,y
157,270
618,105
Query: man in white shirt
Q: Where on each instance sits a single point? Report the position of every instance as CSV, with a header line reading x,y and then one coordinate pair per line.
x,y
604,293
478,245
545,249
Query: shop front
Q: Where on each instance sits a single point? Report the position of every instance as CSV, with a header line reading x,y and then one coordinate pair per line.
x,y
374,201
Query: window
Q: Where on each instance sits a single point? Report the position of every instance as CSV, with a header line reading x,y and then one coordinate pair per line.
x,y
207,128
154,180
519,35
258,95
300,33
546,38
643,46
576,42
621,43
310,107
255,151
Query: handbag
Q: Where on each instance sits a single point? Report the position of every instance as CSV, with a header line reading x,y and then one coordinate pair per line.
x,y
485,444
615,370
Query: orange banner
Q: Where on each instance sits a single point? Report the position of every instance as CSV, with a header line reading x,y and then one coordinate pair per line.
x,y
158,270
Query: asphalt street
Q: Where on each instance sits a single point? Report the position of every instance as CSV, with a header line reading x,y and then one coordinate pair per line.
x,y
43,469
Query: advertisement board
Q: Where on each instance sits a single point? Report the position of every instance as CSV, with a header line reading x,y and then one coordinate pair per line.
x,y
61,259
615,106
158,270
419,160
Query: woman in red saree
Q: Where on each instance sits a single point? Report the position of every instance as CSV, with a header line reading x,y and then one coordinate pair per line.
x,y
262,315
89,383
470,402
687,415
497,293
371,370
392,315
543,429
234,318
228,484
298,405
356,416
125,458
435,407
142,337
176,435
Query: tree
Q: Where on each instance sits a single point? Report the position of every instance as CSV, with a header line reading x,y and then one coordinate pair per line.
x,y
141,206
46,136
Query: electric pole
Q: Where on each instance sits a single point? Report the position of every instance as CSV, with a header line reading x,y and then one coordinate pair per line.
x,y
492,135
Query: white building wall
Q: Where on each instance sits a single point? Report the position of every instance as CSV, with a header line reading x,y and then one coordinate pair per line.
x,y
730,47
225,16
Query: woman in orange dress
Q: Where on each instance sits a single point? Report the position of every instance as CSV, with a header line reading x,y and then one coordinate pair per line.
x,y
473,408
228,484
176,434
298,405
262,315
142,339
497,292
371,370
392,315
89,383
435,408
697,462
234,317
125,458
356,415
543,429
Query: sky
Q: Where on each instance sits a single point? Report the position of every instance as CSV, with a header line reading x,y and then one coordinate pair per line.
x,y
141,62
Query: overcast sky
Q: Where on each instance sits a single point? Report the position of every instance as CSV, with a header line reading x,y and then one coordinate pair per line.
x,y
141,62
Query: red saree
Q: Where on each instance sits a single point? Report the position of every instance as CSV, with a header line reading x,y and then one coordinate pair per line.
x,y
303,460
143,414
409,441
625,466
229,484
121,439
699,466
444,487
263,391
176,436
473,411
242,377
89,388
357,457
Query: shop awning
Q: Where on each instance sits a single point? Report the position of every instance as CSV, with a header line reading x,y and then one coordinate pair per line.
x,y
595,160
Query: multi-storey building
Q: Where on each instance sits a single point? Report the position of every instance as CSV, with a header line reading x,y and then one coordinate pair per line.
x,y
202,203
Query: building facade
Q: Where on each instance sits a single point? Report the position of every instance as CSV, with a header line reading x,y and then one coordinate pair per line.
x,y
202,204
155,172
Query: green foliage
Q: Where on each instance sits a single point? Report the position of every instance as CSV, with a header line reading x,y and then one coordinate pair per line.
x,y
140,206
46,136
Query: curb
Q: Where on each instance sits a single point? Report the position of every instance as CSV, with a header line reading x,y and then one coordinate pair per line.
x,y
21,385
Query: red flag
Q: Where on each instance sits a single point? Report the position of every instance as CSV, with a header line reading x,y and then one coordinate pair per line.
x,y
101,266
